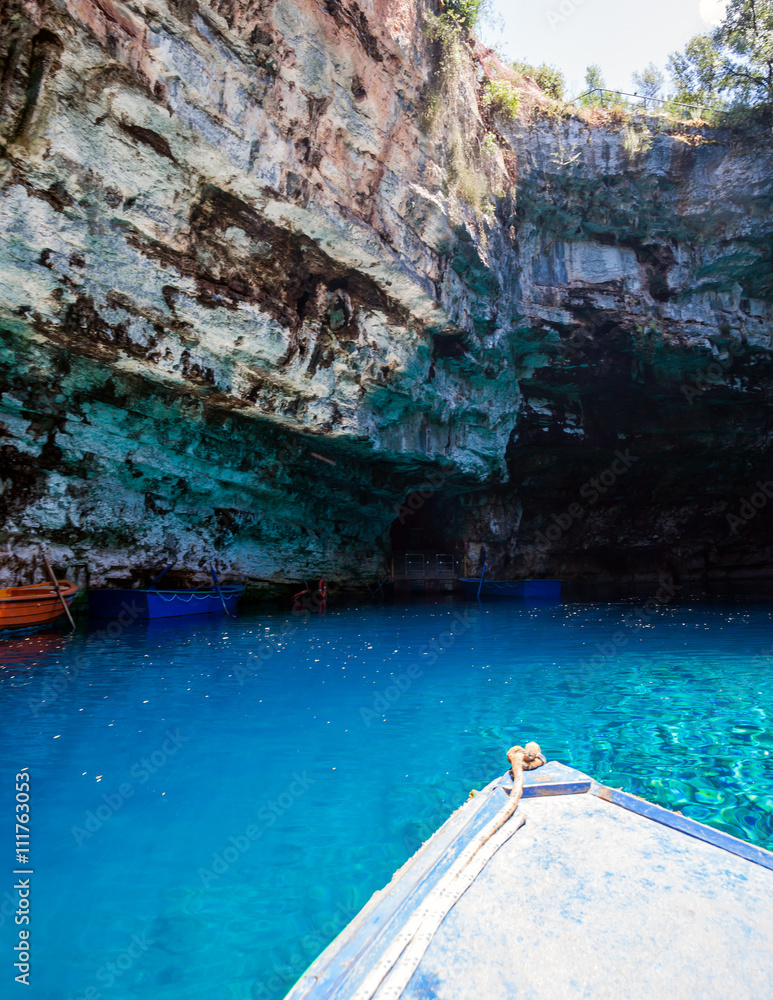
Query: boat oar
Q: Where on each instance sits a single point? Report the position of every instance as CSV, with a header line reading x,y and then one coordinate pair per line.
x,y
163,572
217,587
57,589
482,574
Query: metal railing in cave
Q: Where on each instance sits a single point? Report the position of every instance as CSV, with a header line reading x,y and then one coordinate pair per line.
x,y
427,566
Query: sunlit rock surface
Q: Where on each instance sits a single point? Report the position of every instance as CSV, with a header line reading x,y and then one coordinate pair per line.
x,y
246,314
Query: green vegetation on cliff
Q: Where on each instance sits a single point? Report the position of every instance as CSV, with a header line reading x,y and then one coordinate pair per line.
x,y
723,74
731,65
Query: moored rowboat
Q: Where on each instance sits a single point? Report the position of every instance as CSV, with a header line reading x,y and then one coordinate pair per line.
x,y
145,604
32,606
474,587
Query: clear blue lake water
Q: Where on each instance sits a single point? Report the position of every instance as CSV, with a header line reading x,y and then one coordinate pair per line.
x,y
214,799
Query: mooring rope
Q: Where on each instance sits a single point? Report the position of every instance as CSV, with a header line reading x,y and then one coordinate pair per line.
x,y
194,595
406,951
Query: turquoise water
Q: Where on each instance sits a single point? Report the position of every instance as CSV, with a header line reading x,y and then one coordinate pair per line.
x,y
214,799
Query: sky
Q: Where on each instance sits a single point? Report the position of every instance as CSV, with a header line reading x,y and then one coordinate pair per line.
x,y
622,36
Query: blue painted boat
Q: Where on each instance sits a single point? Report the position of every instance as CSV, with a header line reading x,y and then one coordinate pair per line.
x,y
129,605
583,891
510,588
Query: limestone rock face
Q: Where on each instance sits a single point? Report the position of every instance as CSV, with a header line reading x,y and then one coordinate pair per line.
x,y
645,427
249,305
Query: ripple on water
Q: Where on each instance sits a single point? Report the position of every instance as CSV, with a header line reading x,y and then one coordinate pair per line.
x,y
338,787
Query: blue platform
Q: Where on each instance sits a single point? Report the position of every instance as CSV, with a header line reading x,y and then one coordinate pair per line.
x,y
598,895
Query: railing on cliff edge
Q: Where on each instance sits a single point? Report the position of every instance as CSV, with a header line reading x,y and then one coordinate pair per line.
x,y
640,97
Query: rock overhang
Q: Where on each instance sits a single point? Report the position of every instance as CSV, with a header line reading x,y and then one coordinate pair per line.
x,y
209,225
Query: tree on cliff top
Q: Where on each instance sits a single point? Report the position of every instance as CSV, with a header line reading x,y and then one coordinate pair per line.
x,y
746,32
594,81
696,73
732,64
649,83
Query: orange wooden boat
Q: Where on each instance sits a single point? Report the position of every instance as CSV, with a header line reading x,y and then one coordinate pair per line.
x,y
33,606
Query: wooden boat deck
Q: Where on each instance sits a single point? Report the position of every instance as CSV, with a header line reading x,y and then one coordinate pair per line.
x,y
598,895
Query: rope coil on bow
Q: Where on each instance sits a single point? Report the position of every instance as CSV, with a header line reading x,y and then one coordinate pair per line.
x,y
532,756
402,957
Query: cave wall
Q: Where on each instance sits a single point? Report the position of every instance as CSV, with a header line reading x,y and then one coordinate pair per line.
x,y
646,279
245,311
